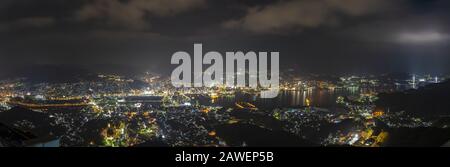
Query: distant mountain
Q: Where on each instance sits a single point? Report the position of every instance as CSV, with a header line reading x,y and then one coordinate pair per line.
x,y
65,73
429,101
396,75
49,73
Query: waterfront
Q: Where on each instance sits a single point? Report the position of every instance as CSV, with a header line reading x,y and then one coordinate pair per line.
x,y
146,110
316,97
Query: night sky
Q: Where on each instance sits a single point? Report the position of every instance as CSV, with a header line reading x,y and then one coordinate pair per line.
x,y
323,36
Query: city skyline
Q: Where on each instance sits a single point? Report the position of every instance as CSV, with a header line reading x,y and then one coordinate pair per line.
x,y
222,73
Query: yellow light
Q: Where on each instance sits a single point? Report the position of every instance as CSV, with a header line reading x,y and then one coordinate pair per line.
x,y
308,102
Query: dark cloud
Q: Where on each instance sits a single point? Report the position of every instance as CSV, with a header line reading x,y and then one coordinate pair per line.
x,y
38,22
134,13
313,35
299,14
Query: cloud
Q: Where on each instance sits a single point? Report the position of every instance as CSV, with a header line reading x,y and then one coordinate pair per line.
x,y
424,37
37,22
300,14
133,13
3,27
28,22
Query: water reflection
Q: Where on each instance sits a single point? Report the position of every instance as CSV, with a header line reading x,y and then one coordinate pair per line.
x,y
298,98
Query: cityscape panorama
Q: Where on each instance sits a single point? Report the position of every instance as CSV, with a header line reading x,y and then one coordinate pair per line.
x,y
225,73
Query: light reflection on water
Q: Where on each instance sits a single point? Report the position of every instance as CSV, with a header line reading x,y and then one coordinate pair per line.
x,y
317,97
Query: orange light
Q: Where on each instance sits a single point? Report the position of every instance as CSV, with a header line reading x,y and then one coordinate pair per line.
x,y
378,113
212,133
205,110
